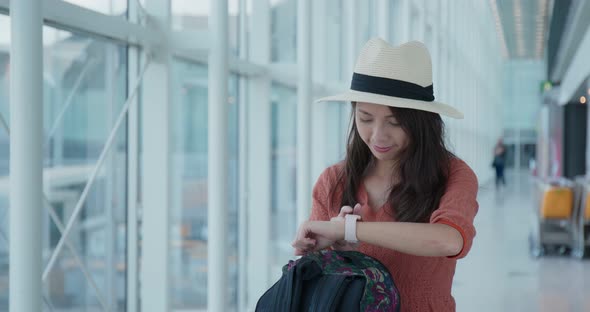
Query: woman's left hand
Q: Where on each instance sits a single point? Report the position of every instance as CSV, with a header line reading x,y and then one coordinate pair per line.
x,y
317,235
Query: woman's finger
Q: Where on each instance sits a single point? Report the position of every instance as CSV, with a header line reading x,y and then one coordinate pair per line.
x,y
303,231
357,209
303,246
344,211
304,243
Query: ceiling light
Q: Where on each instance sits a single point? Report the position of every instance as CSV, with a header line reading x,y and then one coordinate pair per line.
x,y
583,99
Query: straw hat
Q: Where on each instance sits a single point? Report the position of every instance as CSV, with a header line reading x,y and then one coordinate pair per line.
x,y
394,76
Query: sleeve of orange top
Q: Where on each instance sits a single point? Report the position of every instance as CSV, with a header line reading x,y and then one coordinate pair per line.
x,y
458,206
320,196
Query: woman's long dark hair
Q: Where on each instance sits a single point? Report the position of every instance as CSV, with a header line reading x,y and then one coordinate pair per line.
x,y
423,166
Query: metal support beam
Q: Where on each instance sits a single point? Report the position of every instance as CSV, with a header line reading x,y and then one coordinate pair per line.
x,y
304,109
217,174
259,157
101,159
26,155
243,166
132,256
319,123
352,41
156,199
70,16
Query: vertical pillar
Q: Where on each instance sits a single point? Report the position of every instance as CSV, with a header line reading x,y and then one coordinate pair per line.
x,y
132,275
243,164
217,174
304,86
383,14
351,20
259,157
26,154
156,196
352,46
319,120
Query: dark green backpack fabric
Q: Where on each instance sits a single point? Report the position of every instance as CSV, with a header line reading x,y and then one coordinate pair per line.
x,y
330,280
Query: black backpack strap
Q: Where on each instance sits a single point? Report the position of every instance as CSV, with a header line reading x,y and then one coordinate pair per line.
x,y
304,271
287,294
328,293
291,293
277,298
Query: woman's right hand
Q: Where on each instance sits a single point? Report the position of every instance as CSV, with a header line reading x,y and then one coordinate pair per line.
x,y
342,244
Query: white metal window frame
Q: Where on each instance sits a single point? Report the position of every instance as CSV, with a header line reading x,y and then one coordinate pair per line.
x,y
69,16
192,46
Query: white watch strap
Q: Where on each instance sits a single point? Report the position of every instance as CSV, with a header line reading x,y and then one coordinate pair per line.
x,y
350,228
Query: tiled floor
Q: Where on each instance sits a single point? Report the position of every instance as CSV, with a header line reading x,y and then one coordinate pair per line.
x,y
500,275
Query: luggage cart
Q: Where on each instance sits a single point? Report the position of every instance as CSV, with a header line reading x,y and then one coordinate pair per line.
x,y
581,224
552,228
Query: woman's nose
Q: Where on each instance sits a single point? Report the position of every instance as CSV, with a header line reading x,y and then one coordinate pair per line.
x,y
379,133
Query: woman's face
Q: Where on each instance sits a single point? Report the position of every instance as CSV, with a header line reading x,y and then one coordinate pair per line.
x,y
379,129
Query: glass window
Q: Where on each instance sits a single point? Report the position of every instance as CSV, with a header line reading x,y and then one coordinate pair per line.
x,y
283,28
188,255
336,130
335,42
367,21
84,92
84,89
283,204
194,15
190,14
84,84
110,7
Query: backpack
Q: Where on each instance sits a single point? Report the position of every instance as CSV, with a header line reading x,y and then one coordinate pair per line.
x,y
330,280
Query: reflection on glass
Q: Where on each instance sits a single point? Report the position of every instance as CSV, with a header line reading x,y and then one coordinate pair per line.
x,y
283,209
334,25
367,21
110,7
188,255
336,130
84,89
283,28
194,15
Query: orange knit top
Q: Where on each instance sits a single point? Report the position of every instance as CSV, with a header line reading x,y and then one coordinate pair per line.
x,y
424,283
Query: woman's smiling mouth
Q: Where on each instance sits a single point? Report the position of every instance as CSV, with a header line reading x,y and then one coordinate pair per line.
x,y
381,149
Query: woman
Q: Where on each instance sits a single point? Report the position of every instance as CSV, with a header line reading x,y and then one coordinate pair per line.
x,y
414,201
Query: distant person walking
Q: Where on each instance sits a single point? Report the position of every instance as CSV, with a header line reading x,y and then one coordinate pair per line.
x,y
499,162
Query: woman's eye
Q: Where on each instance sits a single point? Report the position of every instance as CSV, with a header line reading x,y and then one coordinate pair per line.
x,y
395,124
365,120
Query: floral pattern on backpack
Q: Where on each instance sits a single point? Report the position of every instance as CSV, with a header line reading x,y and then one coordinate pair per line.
x,y
380,293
